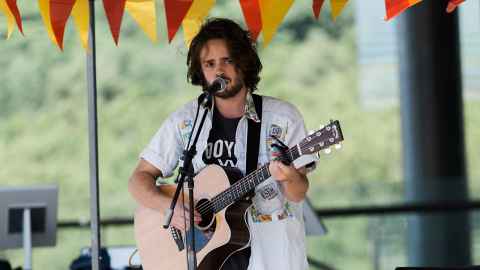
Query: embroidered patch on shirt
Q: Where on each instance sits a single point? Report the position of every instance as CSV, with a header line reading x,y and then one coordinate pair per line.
x,y
259,217
274,131
185,129
269,192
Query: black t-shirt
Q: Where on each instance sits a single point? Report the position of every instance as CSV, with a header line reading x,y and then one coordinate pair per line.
x,y
221,141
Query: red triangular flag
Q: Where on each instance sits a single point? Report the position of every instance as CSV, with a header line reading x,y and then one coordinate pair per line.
x,y
395,7
12,5
114,10
452,5
253,17
317,6
59,12
175,11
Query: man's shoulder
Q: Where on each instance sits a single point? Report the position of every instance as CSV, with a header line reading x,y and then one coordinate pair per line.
x,y
279,106
187,109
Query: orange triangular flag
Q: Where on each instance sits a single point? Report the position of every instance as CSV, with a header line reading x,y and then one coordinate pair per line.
x,y
395,7
253,17
144,13
273,12
81,18
59,12
452,5
317,6
114,10
337,7
175,11
12,5
10,18
193,20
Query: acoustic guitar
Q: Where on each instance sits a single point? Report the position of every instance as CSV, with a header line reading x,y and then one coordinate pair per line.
x,y
223,207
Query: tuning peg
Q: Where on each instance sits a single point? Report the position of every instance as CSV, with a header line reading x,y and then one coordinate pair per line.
x,y
338,146
327,151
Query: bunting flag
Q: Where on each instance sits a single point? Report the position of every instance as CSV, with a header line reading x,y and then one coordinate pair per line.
x,y
452,5
253,17
114,10
59,12
337,7
273,12
175,11
81,17
10,18
12,5
317,6
143,12
395,7
44,6
193,20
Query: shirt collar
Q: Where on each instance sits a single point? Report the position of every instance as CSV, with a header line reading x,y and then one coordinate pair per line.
x,y
250,111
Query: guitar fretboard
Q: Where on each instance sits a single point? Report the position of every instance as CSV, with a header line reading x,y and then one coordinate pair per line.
x,y
247,184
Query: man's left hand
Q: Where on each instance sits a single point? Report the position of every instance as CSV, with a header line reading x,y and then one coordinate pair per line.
x,y
282,172
294,181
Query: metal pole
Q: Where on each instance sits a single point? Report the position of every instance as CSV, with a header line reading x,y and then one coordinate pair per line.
x,y
433,136
93,141
27,239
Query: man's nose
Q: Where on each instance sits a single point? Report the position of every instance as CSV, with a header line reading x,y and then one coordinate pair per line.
x,y
220,71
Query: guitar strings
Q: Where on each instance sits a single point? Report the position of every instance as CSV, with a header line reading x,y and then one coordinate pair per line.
x,y
216,199
204,208
238,186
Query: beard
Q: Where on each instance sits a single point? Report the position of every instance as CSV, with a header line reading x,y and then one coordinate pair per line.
x,y
231,90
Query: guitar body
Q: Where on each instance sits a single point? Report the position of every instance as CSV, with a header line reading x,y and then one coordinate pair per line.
x,y
226,234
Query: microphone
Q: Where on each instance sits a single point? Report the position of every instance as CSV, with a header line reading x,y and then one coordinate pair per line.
x,y
218,85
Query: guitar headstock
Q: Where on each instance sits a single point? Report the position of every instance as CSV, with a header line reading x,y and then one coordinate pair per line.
x,y
323,138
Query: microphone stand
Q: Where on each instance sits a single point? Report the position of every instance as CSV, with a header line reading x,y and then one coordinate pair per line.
x,y
186,173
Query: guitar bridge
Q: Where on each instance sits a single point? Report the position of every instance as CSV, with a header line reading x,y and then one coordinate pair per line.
x,y
177,237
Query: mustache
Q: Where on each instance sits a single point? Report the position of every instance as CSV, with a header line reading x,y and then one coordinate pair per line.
x,y
225,78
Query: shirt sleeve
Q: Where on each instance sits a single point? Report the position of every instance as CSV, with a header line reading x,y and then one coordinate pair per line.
x,y
165,147
296,132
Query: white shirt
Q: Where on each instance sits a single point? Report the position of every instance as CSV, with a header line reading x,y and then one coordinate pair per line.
x,y
276,224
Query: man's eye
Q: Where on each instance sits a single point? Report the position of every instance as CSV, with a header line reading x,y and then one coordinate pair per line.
x,y
229,61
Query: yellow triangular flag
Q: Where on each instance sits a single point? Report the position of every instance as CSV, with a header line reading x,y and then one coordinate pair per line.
x,y
143,12
10,18
273,12
81,17
193,20
44,6
337,7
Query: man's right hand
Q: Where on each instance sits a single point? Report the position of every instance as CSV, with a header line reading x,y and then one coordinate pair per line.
x,y
178,220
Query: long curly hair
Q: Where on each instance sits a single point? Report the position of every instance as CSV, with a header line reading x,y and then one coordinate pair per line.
x,y
239,44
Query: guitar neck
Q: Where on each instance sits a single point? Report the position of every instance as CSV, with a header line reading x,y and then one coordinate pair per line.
x,y
247,183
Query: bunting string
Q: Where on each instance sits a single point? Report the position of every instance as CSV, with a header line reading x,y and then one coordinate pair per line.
x,y
261,16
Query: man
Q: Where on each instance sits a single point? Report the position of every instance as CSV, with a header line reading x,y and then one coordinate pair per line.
x,y
224,49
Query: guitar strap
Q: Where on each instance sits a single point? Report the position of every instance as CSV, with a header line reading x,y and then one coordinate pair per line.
x,y
240,260
253,137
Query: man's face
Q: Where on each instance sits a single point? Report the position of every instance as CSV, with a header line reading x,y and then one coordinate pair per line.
x,y
216,62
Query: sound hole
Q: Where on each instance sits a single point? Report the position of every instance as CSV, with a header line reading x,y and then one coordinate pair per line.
x,y
205,208
206,228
